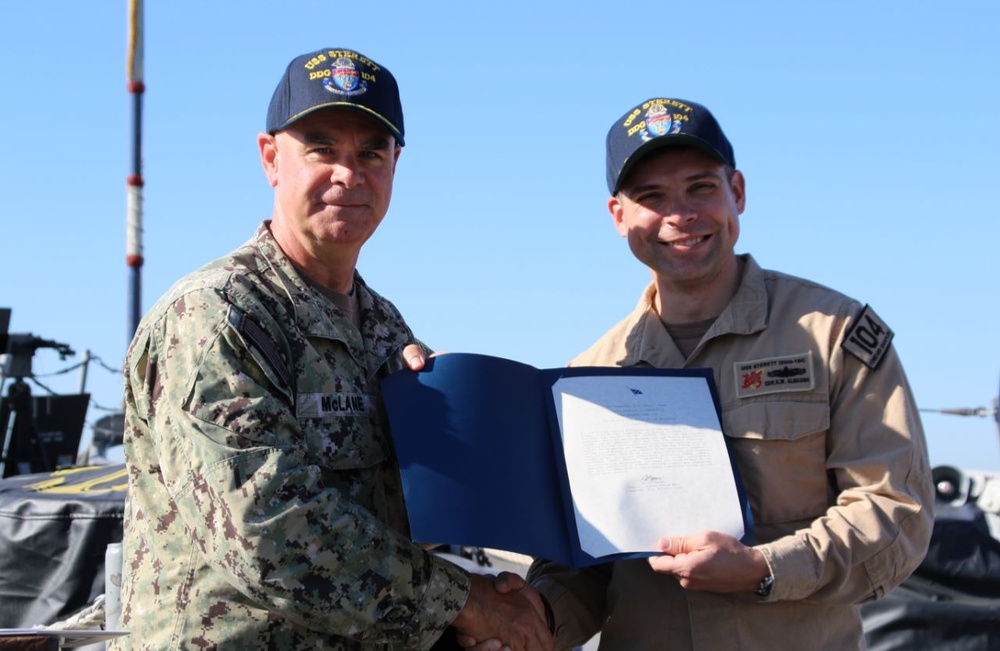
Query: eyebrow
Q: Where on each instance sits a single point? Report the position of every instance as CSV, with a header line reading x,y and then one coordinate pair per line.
x,y
374,142
701,175
697,176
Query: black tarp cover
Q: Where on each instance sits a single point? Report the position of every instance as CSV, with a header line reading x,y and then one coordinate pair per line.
x,y
952,601
54,530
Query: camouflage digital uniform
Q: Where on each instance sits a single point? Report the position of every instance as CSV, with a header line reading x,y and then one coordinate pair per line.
x,y
264,507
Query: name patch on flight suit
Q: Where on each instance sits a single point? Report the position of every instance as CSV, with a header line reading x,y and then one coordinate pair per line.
x,y
868,338
320,405
775,375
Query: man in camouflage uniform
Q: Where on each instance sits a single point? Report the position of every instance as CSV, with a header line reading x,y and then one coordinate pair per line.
x,y
265,508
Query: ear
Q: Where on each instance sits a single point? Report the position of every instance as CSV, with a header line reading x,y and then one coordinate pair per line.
x,y
739,189
618,214
268,148
397,150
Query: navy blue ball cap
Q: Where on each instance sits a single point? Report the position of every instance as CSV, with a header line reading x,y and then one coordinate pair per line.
x,y
663,122
336,78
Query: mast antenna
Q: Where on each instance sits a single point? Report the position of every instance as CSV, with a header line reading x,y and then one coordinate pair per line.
x,y
133,236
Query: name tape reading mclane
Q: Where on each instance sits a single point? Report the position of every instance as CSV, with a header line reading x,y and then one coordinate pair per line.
x,y
320,405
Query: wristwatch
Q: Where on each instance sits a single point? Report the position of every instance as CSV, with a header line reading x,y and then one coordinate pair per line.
x,y
765,585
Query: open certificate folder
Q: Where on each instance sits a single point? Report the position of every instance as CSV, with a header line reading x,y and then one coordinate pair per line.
x,y
579,465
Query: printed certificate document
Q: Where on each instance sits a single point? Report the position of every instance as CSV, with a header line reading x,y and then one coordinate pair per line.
x,y
579,465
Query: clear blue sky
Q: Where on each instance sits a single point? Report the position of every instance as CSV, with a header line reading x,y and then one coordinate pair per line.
x,y
866,130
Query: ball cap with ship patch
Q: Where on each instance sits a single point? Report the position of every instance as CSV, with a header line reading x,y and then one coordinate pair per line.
x,y
336,78
662,122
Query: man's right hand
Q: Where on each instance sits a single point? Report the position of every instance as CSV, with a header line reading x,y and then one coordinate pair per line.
x,y
509,616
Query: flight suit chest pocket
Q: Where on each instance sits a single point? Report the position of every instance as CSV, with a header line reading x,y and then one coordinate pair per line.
x,y
341,429
780,447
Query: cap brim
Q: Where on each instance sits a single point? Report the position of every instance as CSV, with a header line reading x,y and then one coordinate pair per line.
x,y
346,105
662,142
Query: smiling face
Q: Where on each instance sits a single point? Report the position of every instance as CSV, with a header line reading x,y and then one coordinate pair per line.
x,y
332,176
679,210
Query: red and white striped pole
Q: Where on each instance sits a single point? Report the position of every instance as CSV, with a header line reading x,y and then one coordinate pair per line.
x,y
133,236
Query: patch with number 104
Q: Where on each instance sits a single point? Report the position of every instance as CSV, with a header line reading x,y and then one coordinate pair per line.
x,y
868,338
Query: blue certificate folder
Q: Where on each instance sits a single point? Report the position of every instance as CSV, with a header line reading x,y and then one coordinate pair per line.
x,y
480,454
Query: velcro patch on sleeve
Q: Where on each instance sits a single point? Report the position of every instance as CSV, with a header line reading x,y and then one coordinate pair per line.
x,y
868,338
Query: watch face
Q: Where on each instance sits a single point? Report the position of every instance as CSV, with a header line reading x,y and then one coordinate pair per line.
x,y
764,587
